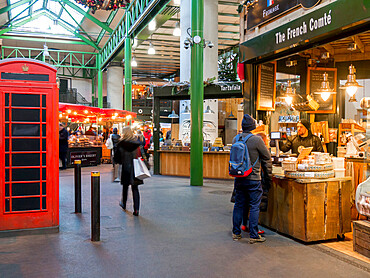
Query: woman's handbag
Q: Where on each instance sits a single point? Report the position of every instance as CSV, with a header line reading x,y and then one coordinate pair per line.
x,y
141,172
109,143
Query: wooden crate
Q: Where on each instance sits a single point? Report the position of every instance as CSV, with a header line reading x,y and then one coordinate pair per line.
x,y
361,237
309,211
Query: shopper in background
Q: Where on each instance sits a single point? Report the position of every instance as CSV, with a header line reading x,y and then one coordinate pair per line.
x,y
115,137
63,145
127,151
249,189
148,136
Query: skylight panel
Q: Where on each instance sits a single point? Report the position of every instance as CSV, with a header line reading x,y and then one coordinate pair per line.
x,y
21,10
38,5
43,24
53,6
66,17
76,15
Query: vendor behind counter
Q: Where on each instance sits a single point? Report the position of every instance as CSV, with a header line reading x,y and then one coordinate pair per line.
x,y
303,139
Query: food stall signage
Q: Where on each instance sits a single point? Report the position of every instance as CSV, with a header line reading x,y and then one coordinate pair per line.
x,y
312,27
297,31
265,10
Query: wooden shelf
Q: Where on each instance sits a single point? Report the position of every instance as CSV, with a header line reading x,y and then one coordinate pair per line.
x,y
352,127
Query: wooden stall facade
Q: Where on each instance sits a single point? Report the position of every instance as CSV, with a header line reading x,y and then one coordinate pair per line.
x,y
309,210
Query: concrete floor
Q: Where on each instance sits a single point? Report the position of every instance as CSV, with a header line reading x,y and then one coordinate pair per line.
x,y
182,231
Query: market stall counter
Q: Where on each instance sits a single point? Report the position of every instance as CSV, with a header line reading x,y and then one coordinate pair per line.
x,y
309,209
177,163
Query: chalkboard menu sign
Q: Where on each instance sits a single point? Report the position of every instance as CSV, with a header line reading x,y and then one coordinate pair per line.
x,y
266,90
314,79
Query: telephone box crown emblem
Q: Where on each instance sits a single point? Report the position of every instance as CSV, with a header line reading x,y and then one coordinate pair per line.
x,y
25,67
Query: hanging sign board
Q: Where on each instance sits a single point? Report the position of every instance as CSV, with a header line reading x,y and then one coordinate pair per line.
x,y
315,77
266,90
265,10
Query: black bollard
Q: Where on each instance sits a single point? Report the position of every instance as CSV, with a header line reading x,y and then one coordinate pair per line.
x,y
77,186
95,206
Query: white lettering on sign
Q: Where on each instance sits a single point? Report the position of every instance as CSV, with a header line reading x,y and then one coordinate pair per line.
x,y
270,11
234,87
295,32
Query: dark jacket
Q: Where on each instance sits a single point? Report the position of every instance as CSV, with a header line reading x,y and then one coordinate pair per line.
x,y
125,155
115,138
257,149
63,140
294,142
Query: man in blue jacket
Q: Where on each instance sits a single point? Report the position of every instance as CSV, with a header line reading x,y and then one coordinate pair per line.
x,y
249,189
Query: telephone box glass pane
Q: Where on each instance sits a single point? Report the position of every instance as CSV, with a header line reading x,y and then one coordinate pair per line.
x,y
25,115
44,130
6,99
44,159
25,100
43,115
43,101
6,174
43,173
6,145
20,204
7,205
43,202
26,159
22,145
6,130
43,145
7,115
25,189
26,174
44,188
25,130
6,160
7,190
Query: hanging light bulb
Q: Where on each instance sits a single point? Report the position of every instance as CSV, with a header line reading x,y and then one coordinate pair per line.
x,y
177,30
152,25
134,43
289,93
133,62
46,50
325,91
151,50
351,85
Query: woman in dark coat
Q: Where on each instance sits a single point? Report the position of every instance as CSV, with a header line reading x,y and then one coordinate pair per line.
x,y
127,151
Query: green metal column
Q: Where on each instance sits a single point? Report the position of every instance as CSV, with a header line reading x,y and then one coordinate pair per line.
x,y
128,68
100,82
93,91
157,127
196,95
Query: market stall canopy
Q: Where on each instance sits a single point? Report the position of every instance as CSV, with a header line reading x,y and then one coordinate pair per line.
x,y
88,114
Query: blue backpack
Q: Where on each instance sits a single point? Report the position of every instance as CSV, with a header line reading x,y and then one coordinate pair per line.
x,y
240,165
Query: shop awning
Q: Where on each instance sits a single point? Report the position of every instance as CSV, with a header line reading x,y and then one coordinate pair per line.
x,y
88,114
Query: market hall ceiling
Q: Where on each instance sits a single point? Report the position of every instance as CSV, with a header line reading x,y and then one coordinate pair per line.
x,y
32,23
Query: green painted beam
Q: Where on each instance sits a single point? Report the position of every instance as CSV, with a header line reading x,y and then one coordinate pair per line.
x,y
63,41
228,3
128,69
88,16
68,27
78,24
227,14
20,23
9,7
110,18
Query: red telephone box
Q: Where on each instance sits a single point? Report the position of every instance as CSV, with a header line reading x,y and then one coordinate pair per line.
x,y
29,145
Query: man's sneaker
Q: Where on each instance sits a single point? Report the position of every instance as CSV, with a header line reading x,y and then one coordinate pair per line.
x,y
237,237
259,239
246,229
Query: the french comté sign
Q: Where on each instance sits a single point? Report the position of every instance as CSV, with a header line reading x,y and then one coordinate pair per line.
x,y
312,27
265,10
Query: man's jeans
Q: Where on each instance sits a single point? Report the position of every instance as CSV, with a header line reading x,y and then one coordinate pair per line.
x,y
252,190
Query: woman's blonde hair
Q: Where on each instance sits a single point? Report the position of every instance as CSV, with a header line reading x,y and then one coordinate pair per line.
x,y
127,133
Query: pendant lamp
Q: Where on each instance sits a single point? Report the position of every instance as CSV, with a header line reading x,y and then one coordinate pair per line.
x,y
173,115
325,91
289,93
351,85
